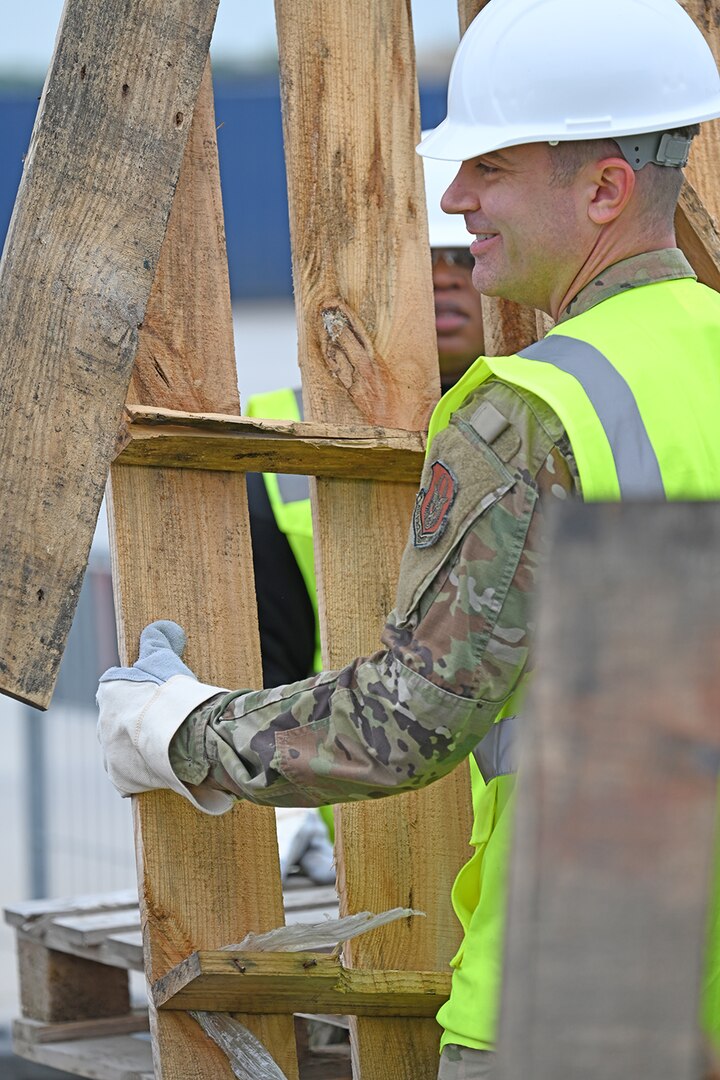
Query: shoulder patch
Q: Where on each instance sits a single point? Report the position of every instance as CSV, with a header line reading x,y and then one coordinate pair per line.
x,y
433,505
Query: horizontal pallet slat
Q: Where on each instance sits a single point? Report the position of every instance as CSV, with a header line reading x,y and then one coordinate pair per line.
x,y
118,1057
38,912
106,928
281,982
34,1031
166,438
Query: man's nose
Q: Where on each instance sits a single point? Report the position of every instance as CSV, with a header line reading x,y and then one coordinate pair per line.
x,y
459,197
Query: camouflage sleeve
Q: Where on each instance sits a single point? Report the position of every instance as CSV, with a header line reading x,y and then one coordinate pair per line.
x,y
456,643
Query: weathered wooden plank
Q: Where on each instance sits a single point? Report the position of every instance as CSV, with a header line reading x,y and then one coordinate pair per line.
x,y
181,549
616,802
93,929
35,915
297,981
32,1031
113,955
704,165
368,353
116,1057
242,444
697,235
55,986
75,275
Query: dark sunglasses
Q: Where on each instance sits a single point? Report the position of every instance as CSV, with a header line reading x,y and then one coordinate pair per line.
x,y
453,257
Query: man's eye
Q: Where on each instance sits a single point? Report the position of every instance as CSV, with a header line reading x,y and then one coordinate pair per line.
x,y
485,168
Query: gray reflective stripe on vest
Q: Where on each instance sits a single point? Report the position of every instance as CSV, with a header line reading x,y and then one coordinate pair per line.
x,y
294,488
612,399
497,754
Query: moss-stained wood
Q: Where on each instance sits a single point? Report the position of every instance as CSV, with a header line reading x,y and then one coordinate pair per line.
x,y
164,437
297,982
181,550
367,346
75,275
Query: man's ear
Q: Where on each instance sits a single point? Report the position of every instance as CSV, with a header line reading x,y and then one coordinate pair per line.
x,y
613,184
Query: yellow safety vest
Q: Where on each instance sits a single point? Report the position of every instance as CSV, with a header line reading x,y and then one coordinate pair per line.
x,y
635,381
289,497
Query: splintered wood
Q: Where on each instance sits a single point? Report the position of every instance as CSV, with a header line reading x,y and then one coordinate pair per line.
x,y
77,268
181,549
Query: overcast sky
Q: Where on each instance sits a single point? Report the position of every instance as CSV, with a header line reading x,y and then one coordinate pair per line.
x,y
244,29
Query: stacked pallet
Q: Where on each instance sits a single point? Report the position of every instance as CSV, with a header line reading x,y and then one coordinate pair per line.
x,y
82,1009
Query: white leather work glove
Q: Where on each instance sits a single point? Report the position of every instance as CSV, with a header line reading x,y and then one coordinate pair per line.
x,y
140,709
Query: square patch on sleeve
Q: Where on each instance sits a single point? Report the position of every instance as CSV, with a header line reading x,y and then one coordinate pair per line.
x,y
433,505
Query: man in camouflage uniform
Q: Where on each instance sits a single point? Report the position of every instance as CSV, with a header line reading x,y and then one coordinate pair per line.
x,y
575,230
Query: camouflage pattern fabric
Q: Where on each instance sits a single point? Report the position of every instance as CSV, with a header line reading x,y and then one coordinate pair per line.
x,y
456,643
462,1063
646,269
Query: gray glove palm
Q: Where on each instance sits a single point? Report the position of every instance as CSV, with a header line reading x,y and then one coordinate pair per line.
x,y
162,644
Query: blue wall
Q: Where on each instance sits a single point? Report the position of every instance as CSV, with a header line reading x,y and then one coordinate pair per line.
x,y
254,194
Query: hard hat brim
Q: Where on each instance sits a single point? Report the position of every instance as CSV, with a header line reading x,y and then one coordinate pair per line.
x,y
453,141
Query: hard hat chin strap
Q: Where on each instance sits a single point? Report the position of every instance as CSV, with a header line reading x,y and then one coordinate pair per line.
x,y
657,147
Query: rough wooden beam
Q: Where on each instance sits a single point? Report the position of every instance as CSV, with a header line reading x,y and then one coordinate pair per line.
x,y
697,235
225,981
704,166
181,550
55,987
164,437
75,275
367,352
617,801
33,1031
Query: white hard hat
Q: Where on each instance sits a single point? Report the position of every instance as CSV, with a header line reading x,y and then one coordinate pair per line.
x,y
446,230
561,70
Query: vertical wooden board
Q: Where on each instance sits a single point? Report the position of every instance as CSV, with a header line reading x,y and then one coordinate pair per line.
x,y
368,353
616,799
704,165
701,196
181,550
75,275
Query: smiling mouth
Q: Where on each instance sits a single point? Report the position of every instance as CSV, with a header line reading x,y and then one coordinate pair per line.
x,y
481,242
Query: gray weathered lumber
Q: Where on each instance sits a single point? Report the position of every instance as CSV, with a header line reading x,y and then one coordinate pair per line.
x,y
115,1057
75,275
617,799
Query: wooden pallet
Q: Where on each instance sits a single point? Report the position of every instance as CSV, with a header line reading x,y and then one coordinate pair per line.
x,y
78,1013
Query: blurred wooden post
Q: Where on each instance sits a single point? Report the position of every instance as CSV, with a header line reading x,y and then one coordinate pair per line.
x,y
617,799
181,550
368,353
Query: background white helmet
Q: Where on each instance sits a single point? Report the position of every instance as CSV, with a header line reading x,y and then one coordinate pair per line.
x,y
446,230
561,70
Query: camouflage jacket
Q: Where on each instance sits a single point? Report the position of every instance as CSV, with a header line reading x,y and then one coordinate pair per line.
x,y
457,641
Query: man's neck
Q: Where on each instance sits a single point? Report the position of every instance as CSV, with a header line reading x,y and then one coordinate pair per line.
x,y
610,248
